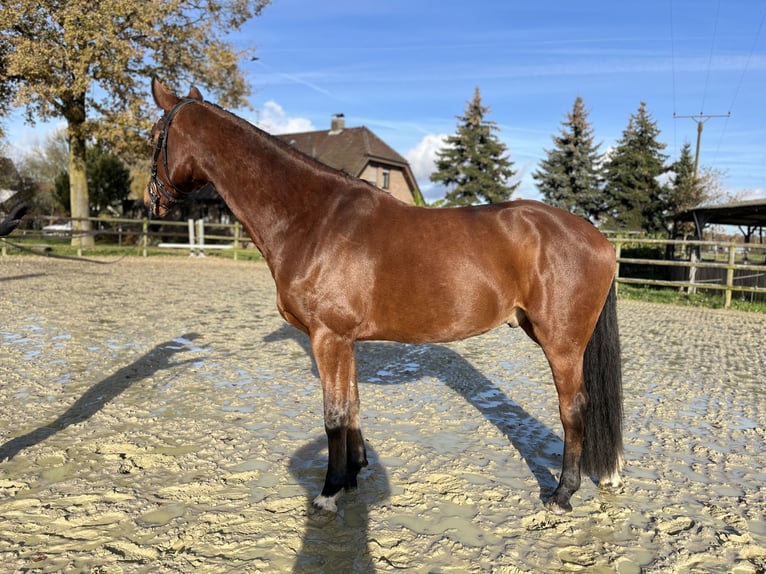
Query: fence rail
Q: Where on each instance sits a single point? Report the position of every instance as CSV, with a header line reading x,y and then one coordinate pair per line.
x,y
141,234
683,264
729,276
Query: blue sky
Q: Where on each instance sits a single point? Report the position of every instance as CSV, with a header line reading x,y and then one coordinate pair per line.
x,y
406,69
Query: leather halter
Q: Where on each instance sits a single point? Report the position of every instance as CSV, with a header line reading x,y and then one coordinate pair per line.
x,y
156,188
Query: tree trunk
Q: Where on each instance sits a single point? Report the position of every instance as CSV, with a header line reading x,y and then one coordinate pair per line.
x,y
78,180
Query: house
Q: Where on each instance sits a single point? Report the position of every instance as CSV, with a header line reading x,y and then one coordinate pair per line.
x,y
359,153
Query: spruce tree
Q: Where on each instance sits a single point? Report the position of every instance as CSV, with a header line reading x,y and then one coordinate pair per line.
x,y
570,176
474,161
684,187
633,190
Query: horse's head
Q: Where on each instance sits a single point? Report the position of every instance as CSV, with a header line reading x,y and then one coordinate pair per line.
x,y
168,183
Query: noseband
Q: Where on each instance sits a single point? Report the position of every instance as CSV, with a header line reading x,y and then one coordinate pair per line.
x,y
156,188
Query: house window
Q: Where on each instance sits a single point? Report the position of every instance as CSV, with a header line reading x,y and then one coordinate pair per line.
x,y
386,179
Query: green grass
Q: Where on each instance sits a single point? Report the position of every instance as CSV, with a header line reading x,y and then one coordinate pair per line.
x,y
675,297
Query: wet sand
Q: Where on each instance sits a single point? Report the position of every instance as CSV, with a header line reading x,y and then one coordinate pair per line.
x,y
158,415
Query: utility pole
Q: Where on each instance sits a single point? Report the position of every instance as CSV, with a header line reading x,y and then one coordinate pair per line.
x,y
695,251
700,121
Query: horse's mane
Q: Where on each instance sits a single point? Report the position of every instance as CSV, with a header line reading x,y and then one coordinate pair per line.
x,y
283,146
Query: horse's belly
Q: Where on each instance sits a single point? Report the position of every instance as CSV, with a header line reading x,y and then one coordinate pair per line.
x,y
440,320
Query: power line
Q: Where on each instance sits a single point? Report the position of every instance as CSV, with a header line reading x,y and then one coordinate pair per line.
x,y
701,118
673,73
747,62
673,55
741,80
710,57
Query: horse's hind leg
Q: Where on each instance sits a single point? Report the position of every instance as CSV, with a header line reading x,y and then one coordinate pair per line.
x,y
573,404
346,453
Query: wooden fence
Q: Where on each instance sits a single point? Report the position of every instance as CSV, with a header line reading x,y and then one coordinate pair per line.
x,y
694,266
685,265
197,237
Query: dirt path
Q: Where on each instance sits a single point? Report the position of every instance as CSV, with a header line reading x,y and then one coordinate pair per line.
x,y
158,415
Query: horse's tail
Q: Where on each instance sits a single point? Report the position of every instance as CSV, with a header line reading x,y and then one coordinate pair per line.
x,y
602,444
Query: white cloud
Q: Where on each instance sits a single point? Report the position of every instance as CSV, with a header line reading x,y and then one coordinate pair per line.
x,y
273,119
422,158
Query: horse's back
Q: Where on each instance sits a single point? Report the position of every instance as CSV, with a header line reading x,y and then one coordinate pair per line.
x,y
511,238
444,274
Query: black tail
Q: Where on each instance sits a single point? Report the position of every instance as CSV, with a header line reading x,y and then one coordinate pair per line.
x,y
602,445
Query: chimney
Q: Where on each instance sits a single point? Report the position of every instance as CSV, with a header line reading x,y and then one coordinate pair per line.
x,y
338,124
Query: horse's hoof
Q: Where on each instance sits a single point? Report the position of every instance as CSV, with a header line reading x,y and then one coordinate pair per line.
x,y
557,507
328,503
612,484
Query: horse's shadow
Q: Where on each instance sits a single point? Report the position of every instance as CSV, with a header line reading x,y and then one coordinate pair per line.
x,y
396,363
22,277
337,542
99,395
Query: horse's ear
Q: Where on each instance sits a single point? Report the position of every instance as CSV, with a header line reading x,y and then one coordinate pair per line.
x,y
195,94
163,97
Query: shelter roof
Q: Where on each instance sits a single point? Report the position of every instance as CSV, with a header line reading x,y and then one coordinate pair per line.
x,y
744,213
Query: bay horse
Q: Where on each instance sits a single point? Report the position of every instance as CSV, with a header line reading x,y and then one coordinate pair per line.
x,y
351,262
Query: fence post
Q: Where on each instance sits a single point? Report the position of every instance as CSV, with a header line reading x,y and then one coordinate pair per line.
x,y
617,253
692,271
79,240
730,275
237,232
190,224
201,236
145,229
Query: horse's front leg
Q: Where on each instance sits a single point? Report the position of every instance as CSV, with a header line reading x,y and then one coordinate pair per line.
x,y
335,359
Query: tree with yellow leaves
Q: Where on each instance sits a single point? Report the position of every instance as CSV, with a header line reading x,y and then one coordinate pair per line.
x,y
89,63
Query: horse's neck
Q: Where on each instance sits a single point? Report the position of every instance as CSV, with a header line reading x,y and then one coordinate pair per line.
x,y
272,192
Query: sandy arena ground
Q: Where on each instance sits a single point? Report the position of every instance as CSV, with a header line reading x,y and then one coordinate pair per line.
x,y
159,416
